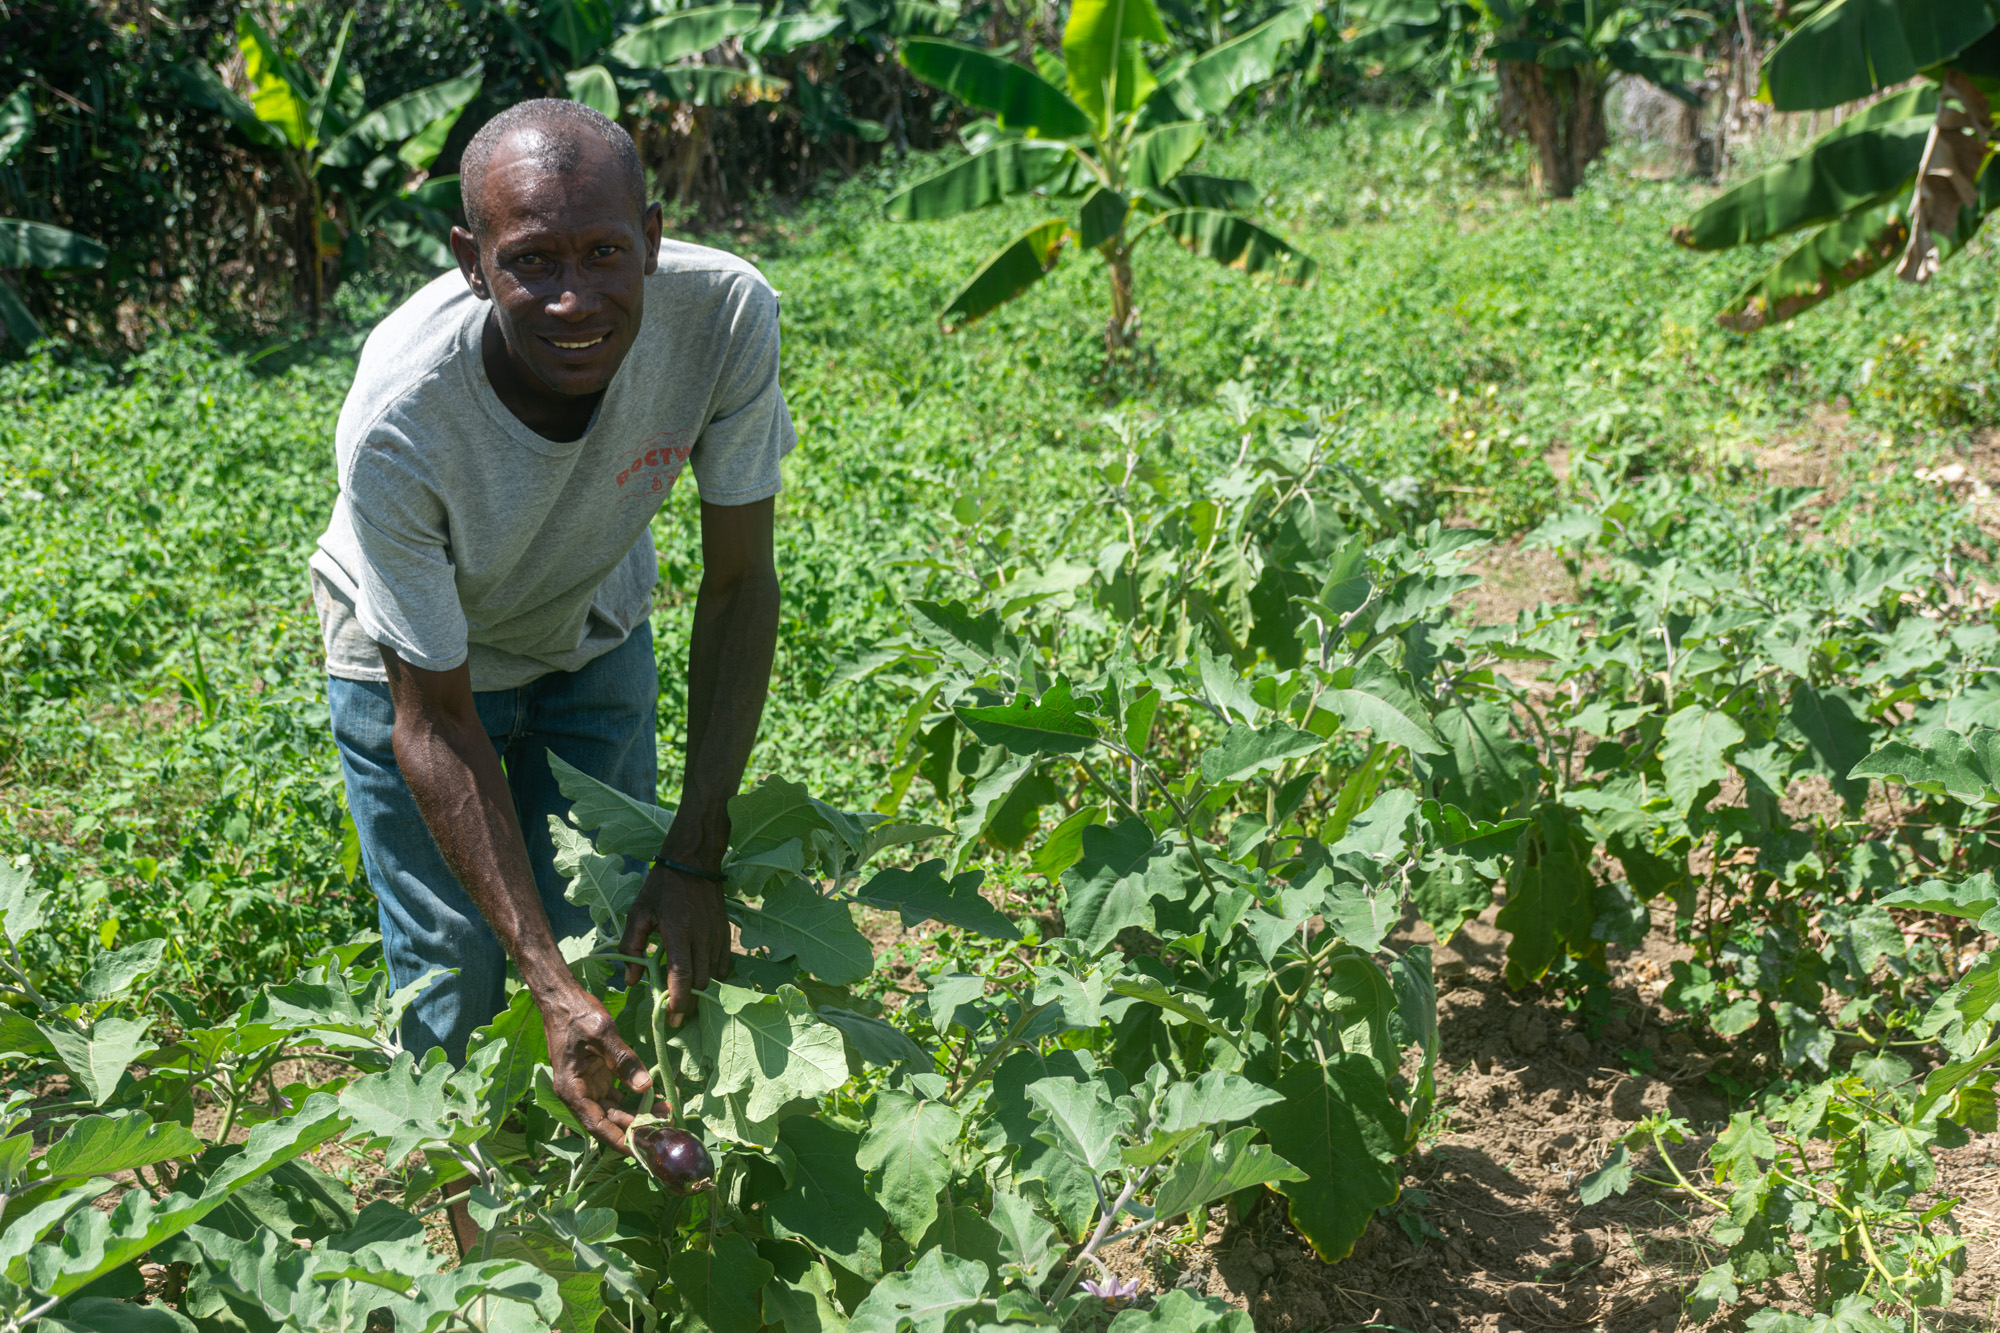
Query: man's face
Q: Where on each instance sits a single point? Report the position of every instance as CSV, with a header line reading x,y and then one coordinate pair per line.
x,y
564,260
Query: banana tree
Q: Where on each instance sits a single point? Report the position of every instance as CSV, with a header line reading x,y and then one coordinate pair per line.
x,y
353,166
1902,182
32,245
1101,126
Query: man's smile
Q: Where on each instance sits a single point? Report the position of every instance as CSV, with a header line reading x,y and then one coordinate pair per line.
x,y
578,346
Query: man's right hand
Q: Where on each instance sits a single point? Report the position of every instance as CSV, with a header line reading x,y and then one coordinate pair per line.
x,y
593,1065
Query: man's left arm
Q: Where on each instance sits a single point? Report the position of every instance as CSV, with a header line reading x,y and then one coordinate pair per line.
x,y
728,676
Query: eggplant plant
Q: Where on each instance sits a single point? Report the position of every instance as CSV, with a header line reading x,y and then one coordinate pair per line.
x,y
1102,126
352,165
32,245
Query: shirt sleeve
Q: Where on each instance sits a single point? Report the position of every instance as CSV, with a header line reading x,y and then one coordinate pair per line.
x,y
406,587
736,459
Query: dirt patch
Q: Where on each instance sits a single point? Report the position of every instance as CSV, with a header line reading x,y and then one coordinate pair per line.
x,y
1513,580
1810,456
1490,1234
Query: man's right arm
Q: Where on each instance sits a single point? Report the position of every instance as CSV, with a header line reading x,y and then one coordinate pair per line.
x,y
455,775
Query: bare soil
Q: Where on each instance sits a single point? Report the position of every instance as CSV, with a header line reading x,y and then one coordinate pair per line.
x,y
1531,1097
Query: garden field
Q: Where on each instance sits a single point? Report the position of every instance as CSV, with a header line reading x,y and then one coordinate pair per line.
x,y
1455,797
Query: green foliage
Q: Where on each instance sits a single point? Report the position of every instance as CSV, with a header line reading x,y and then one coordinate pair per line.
x,y
366,165
1901,182
1118,136
33,245
172,784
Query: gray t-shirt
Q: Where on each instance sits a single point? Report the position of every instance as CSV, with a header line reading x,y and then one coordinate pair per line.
x,y
461,534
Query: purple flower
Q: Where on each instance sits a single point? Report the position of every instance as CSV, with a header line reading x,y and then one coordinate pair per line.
x,y
1113,1291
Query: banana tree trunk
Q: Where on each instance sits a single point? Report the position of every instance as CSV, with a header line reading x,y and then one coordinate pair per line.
x,y
1561,111
1122,331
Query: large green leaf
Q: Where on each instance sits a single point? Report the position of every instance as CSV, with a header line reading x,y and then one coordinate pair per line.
x,y
923,893
1009,271
1181,1311
1010,168
772,814
97,1061
623,826
1970,898
925,1299
907,1147
1831,260
1692,753
1021,98
1080,1121
1102,217
829,1206
1106,890
1849,49
1834,723
99,1145
1193,190
1107,73
1158,155
17,121
403,117
723,1285
794,920
1208,1170
600,883
16,319
595,88
205,88
1238,243
116,971
659,42
96,1242
1056,723
1337,1125
1244,750
279,96
1551,899
404,1106
1944,764
1216,77
773,1048
788,32
38,245
1832,178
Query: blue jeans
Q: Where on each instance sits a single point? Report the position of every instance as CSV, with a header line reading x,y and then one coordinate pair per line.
x,y
600,718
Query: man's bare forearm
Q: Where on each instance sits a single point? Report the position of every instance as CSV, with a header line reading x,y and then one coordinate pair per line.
x,y
462,793
729,673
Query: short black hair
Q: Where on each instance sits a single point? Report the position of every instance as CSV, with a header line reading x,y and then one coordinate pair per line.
x,y
559,125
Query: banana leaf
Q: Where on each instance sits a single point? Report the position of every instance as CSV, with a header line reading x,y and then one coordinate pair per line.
x,y
659,42
1158,155
1020,97
1217,76
1107,74
1011,270
403,118
1842,254
1830,179
1850,49
38,245
1006,169
1238,243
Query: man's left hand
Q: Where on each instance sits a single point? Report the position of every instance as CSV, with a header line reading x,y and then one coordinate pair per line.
x,y
693,926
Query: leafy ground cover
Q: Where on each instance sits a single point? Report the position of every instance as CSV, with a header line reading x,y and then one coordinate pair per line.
x,y
1173,691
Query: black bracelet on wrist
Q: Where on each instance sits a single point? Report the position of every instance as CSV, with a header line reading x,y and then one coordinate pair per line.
x,y
715,876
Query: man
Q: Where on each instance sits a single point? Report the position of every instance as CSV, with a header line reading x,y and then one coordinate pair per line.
x,y
484,585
